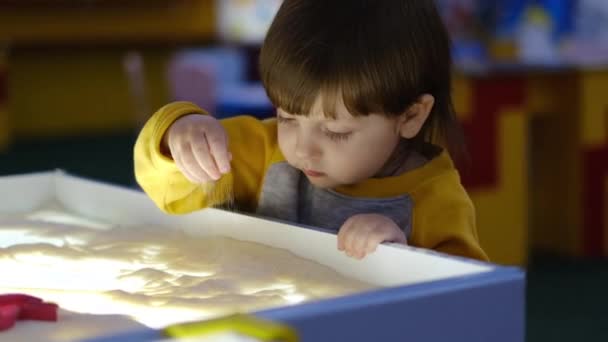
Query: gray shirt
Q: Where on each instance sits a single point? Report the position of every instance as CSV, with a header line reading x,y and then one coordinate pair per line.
x,y
288,195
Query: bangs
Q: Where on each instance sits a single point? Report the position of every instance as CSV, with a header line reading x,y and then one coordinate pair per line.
x,y
295,89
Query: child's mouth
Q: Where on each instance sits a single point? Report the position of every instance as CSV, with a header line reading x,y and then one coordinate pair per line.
x,y
313,173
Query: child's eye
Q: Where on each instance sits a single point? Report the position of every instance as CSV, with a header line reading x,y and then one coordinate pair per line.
x,y
283,120
338,136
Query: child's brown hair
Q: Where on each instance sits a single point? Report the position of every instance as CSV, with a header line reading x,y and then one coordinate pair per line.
x,y
380,56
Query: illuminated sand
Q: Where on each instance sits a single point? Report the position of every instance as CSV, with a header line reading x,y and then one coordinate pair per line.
x,y
154,274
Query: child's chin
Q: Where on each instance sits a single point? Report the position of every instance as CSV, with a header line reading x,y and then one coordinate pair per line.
x,y
324,182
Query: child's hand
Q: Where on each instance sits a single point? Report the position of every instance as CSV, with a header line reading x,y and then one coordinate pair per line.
x,y
361,234
199,146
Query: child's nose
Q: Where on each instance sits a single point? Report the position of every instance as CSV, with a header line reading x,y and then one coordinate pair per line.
x,y
306,148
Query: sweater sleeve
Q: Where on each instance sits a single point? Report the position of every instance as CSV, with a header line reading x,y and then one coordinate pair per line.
x,y
444,218
251,143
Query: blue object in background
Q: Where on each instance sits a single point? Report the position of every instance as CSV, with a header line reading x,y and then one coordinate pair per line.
x,y
242,98
562,13
511,13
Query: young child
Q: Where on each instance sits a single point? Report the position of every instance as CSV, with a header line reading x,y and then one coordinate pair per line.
x,y
362,91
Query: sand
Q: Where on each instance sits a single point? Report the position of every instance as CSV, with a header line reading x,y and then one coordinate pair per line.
x,y
153,275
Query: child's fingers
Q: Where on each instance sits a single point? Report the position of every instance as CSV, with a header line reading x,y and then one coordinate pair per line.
x,y
218,146
397,236
359,242
193,166
181,165
343,232
179,151
204,159
373,240
350,239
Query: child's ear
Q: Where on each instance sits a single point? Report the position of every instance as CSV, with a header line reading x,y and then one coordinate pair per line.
x,y
410,122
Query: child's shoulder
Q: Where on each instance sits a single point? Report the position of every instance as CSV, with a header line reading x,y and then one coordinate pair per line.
x,y
440,188
437,175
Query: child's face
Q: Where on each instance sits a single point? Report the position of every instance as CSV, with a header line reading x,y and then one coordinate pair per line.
x,y
340,151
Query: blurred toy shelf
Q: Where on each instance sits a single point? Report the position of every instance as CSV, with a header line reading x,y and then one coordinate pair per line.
x,y
95,22
81,67
529,92
539,145
64,72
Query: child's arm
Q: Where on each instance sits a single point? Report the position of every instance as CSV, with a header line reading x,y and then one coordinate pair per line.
x,y
250,142
444,219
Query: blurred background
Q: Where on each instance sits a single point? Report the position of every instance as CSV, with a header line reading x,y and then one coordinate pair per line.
x,y
78,78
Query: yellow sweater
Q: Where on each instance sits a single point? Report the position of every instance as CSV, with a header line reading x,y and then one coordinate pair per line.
x,y
441,217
